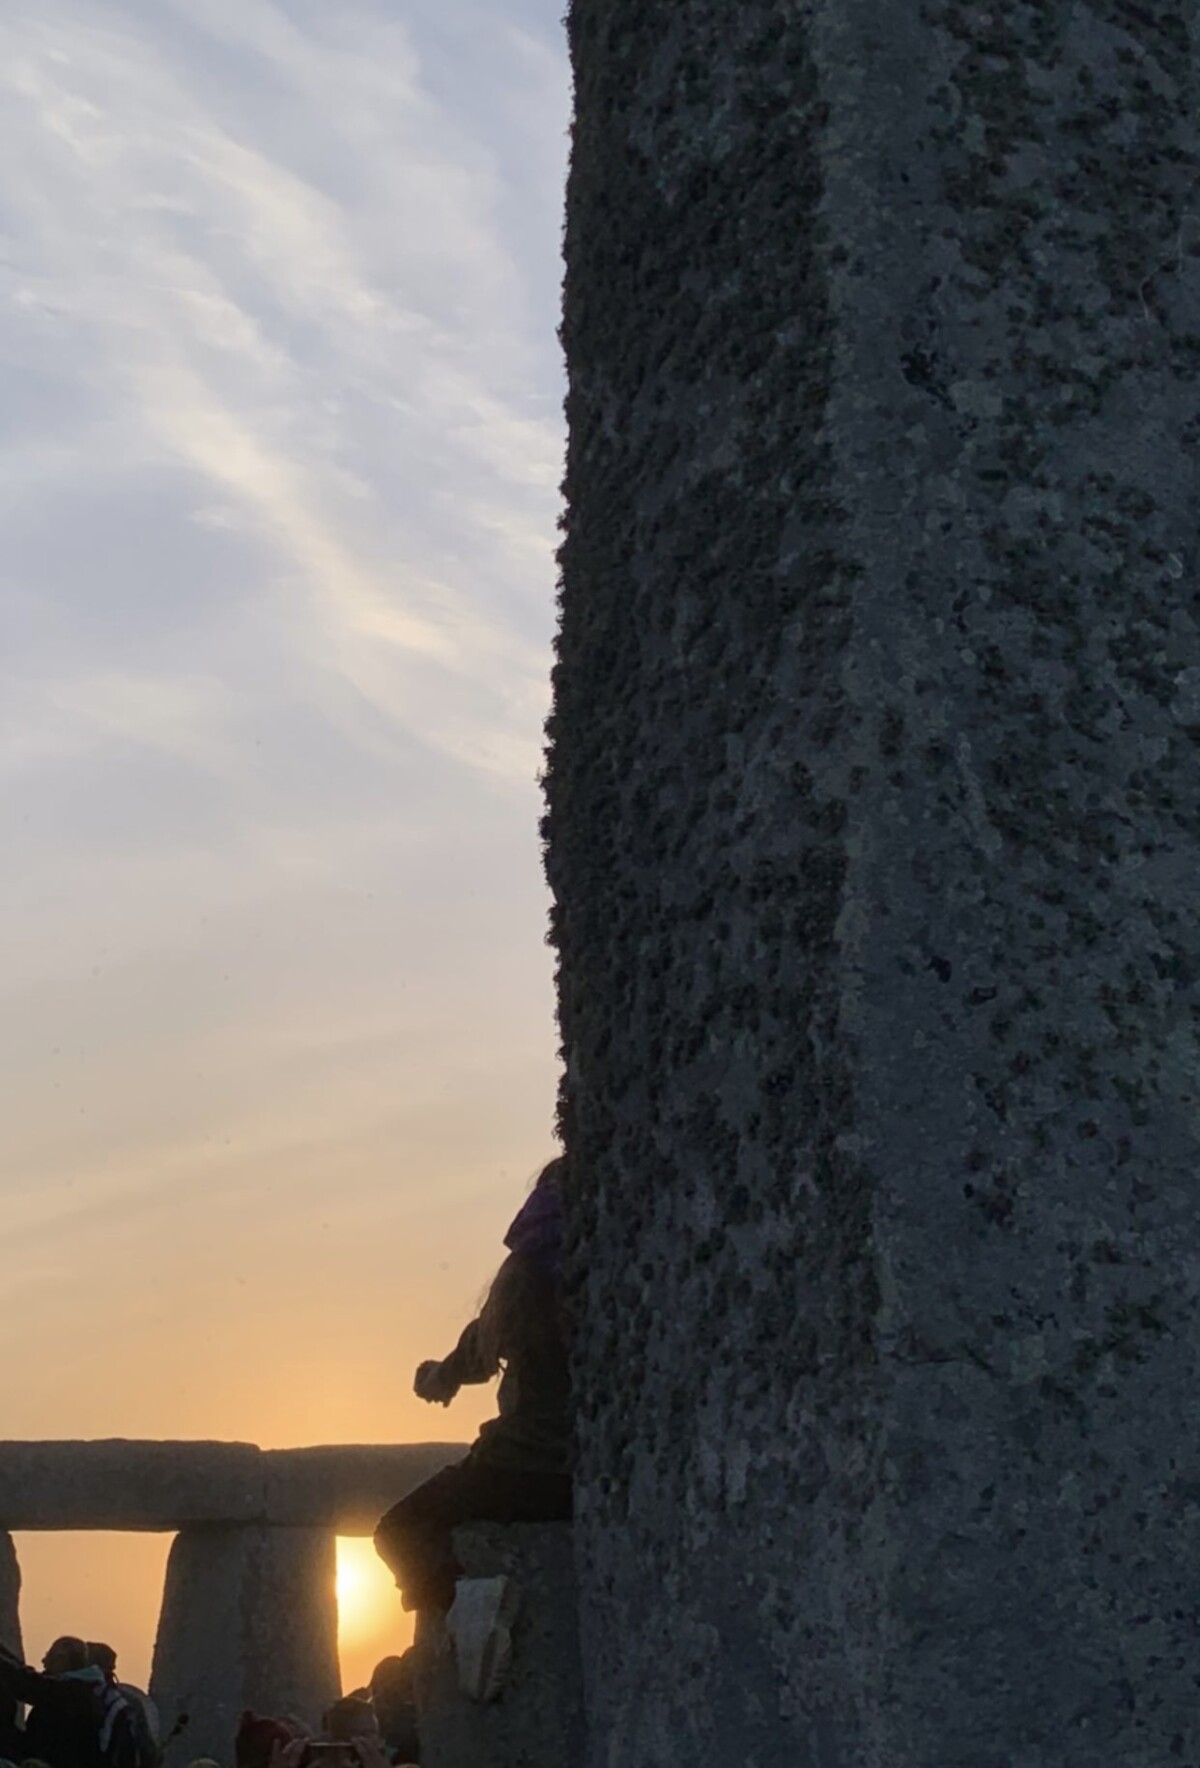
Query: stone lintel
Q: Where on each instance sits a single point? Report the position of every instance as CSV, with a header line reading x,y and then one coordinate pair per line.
x,y
135,1485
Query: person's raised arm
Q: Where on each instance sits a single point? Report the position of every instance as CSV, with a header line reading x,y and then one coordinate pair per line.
x,y
476,1356
439,1382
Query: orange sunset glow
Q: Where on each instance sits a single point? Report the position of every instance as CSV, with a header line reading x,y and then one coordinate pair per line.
x,y
113,1583
279,467
371,1622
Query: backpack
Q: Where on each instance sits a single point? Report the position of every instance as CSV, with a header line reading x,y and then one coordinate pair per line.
x,y
124,1738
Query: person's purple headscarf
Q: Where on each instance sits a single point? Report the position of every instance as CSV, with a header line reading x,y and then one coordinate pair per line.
x,y
537,1229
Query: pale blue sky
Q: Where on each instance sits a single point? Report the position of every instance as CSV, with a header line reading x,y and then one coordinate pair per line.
x,y
280,441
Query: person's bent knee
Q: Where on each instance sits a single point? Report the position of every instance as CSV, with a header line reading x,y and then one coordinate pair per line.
x,y
389,1542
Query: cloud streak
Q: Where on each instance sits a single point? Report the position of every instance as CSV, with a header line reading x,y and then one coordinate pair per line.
x,y
348,380
279,459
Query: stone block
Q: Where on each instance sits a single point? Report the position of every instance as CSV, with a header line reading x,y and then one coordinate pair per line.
x,y
536,1721
128,1485
10,1594
249,1619
147,1485
874,830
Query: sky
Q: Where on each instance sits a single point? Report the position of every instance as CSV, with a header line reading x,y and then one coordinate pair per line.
x,y
280,445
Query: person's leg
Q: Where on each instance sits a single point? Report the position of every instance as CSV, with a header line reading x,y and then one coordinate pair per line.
x,y
413,1539
510,1495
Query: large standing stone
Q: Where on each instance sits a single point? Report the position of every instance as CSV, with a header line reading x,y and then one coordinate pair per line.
x,y
10,1595
536,1721
874,828
249,1619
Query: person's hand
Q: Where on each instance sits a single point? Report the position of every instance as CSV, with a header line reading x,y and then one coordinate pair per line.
x,y
288,1755
371,1752
432,1383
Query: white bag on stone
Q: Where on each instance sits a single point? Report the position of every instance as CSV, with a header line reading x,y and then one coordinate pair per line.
x,y
480,1625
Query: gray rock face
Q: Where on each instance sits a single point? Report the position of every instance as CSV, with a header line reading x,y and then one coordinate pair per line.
x,y
249,1619
10,1595
150,1485
128,1485
537,1719
874,829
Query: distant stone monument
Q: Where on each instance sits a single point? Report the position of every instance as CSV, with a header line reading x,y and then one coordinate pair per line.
x,y
874,833
249,1616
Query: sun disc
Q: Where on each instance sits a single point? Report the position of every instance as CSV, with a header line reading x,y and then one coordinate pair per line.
x,y
349,1581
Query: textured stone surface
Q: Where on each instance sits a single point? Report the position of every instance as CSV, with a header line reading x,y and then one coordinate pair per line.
x,y
874,821
149,1485
10,1594
537,1719
127,1485
249,1619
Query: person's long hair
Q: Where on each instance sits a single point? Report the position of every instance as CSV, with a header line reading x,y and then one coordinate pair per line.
x,y
503,1311
518,1294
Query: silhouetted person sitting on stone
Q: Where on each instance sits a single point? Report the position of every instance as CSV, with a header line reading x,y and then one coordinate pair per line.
x,y
394,1699
65,1700
519,1468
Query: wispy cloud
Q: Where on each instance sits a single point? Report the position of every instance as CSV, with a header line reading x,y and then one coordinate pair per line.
x,y
346,368
279,454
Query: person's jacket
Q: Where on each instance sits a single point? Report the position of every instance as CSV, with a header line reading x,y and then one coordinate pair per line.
x,y
12,1738
63,1723
520,1331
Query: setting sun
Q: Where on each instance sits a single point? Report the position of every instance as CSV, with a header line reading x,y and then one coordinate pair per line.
x,y
371,1622
351,1583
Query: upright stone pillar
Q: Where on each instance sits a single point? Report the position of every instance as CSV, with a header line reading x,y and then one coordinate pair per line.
x,y
10,1595
249,1619
874,831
